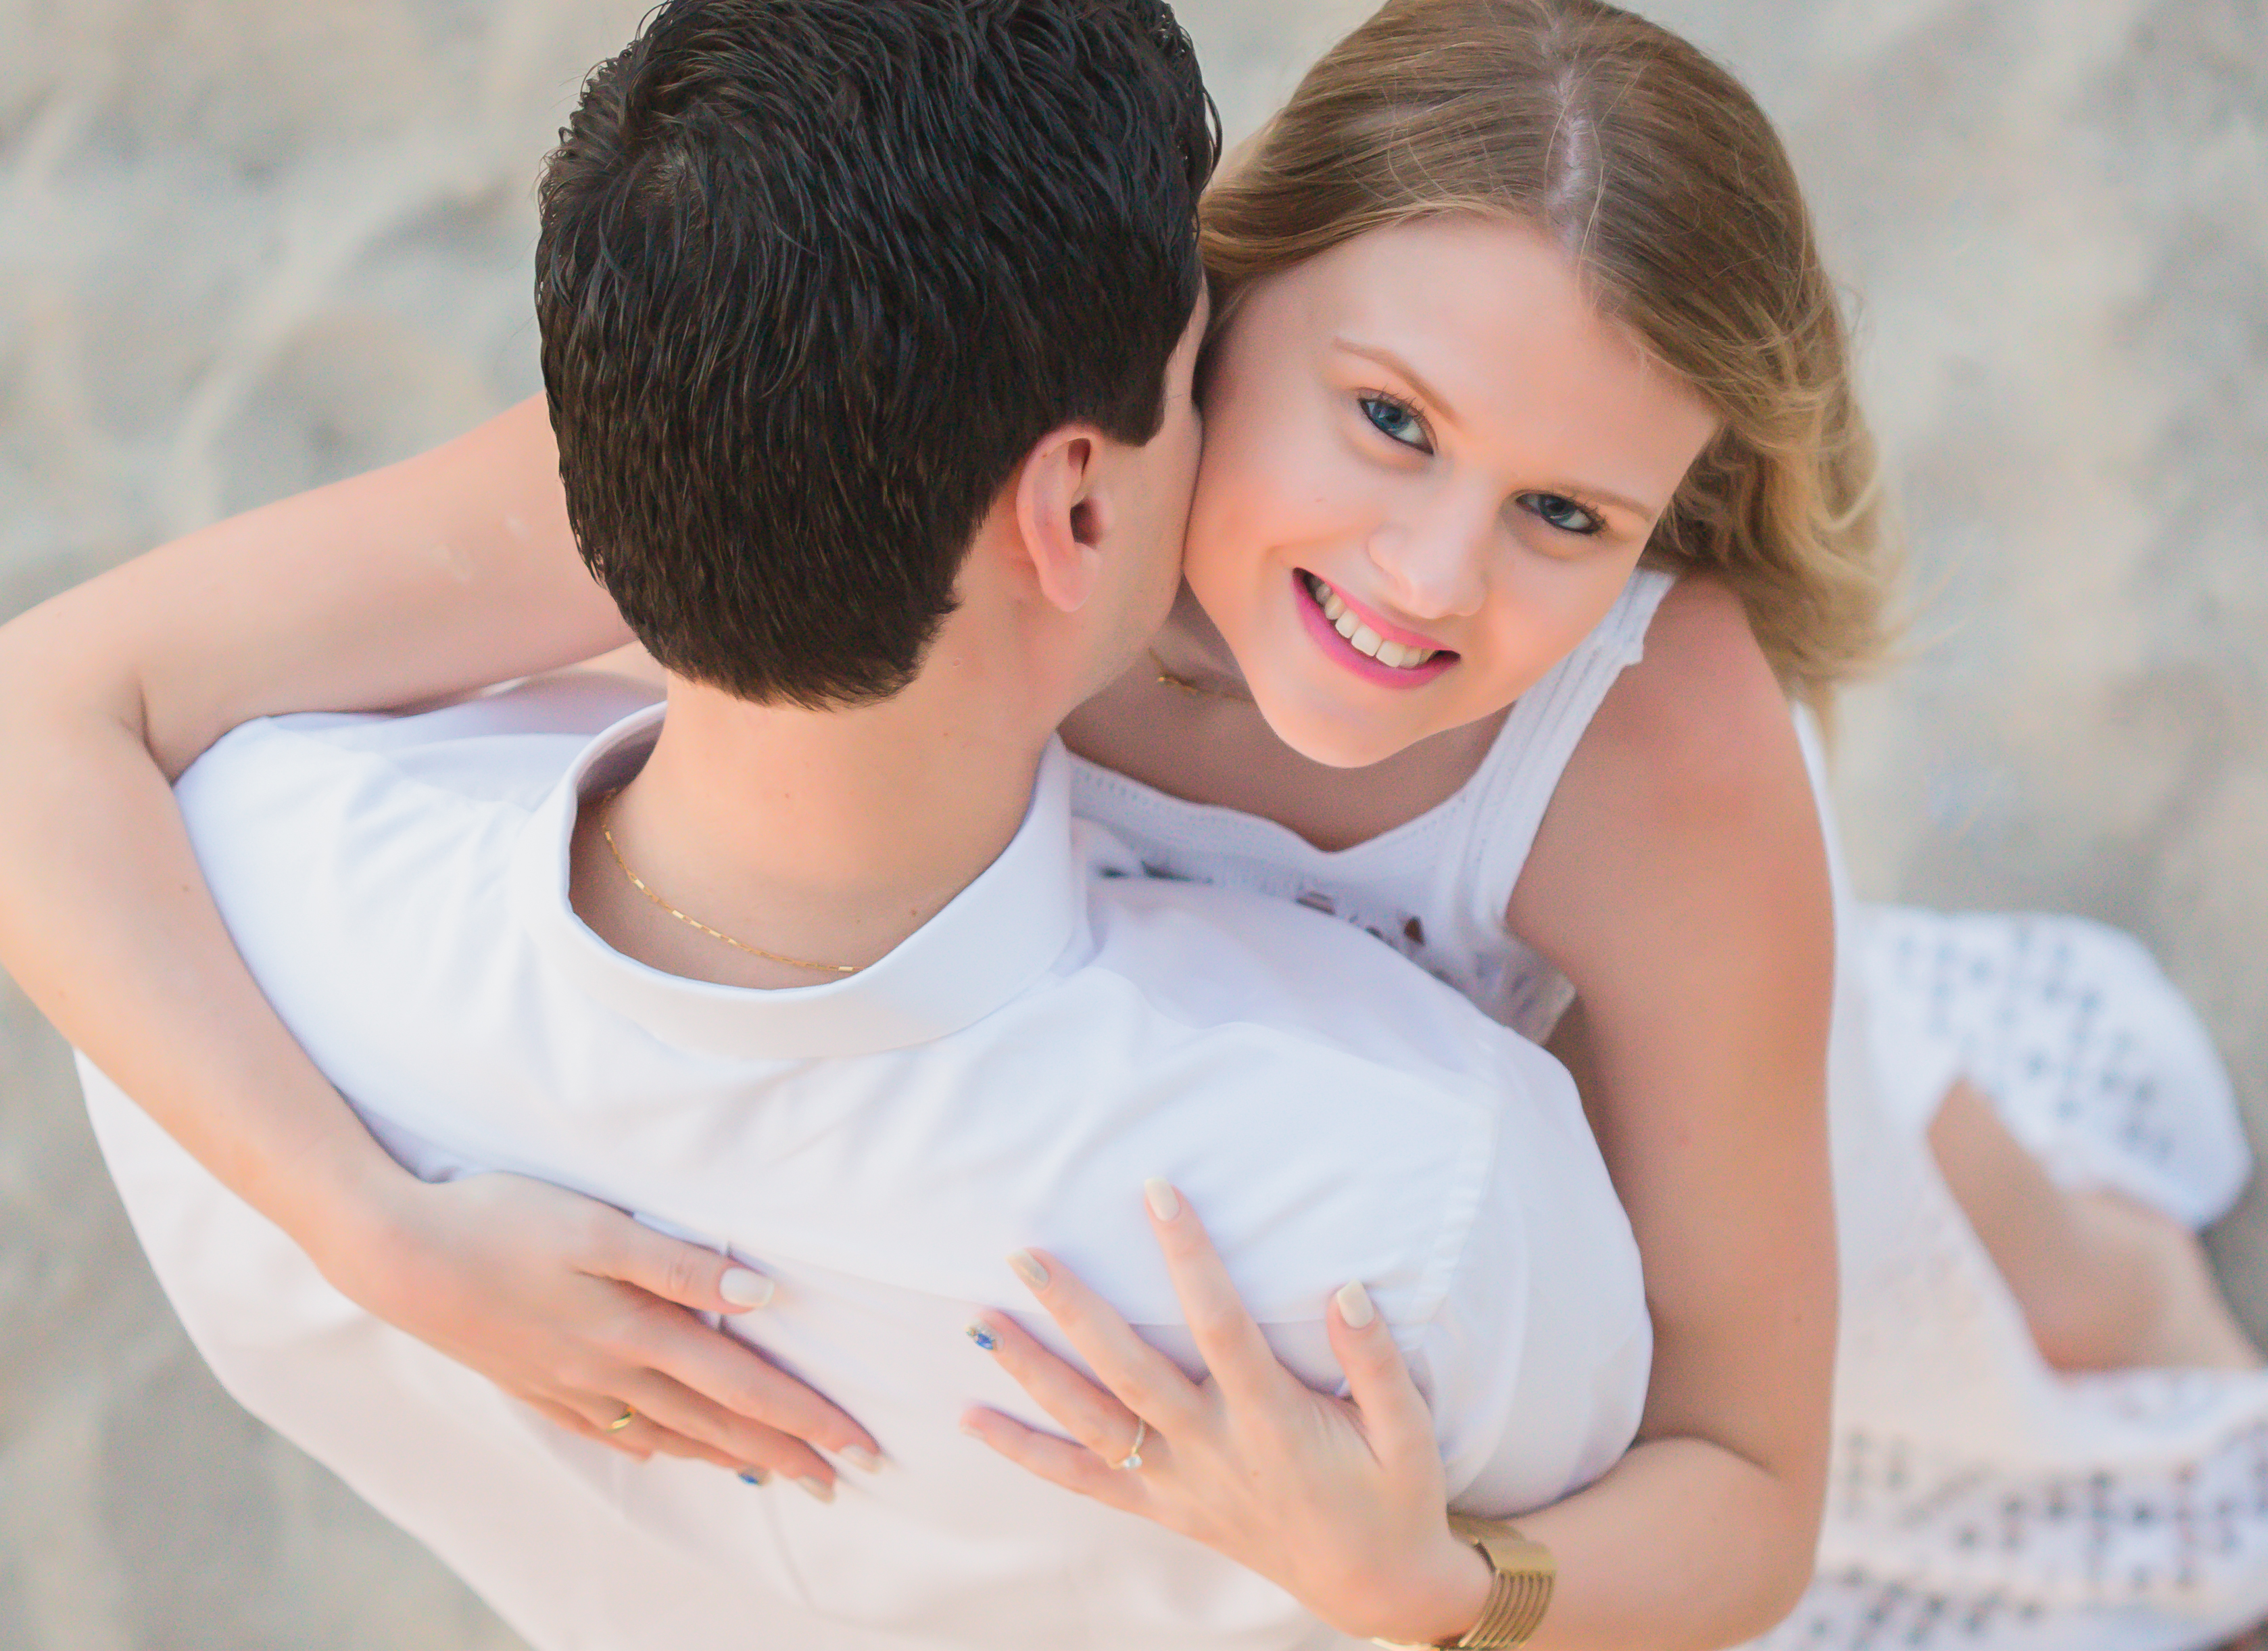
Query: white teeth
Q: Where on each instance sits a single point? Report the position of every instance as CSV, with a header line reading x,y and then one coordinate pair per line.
x,y
1401,656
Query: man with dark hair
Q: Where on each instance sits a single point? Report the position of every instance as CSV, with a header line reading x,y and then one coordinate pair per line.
x,y
868,330
845,311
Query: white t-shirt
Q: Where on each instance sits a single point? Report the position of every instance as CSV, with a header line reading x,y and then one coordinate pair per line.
x,y
1007,1076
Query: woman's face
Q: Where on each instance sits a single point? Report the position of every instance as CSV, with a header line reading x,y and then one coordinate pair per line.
x,y
1430,464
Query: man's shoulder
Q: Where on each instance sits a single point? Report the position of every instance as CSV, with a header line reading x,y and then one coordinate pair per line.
x,y
507,746
366,864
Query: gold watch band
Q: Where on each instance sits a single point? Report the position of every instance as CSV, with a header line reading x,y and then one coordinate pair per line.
x,y
1520,1591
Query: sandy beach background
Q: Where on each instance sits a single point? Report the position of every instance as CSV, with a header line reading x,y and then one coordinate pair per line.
x,y
248,245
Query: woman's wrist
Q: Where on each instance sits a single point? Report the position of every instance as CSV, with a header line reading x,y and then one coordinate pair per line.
x,y
349,1206
1453,1593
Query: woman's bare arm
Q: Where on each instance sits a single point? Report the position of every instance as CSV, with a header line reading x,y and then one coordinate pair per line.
x,y
437,575
1681,881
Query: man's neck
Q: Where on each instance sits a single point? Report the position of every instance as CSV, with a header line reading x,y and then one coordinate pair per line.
x,y
825,837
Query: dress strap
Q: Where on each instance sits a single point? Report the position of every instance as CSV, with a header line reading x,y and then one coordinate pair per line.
x,y
1507,797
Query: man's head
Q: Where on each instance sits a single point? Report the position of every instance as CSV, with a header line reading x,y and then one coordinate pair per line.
x,y
817,276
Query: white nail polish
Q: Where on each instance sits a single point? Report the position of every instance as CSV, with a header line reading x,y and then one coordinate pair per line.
x,y
743,1288
1028,1269
818,1490
1164,1201
861,1458
1354,1305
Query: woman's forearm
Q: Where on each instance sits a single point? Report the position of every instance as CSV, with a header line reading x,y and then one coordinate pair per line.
x,y
452,568
105,924
1683,1544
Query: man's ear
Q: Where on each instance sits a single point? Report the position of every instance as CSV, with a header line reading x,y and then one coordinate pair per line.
x,y
1059,514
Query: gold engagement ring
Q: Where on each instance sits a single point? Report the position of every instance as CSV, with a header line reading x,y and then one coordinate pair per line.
x,y
1132,1459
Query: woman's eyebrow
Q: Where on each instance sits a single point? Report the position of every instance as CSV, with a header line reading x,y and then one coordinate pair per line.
x,y
1435,402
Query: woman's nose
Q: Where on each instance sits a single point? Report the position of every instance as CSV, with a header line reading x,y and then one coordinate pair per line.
x,y
1435,567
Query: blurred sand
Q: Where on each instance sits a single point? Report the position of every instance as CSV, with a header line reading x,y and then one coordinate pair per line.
x,y
247,246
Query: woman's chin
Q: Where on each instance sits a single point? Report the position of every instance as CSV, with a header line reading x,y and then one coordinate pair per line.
x,y
1331,741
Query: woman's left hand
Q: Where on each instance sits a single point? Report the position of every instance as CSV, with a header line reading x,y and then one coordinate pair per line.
x,y
1341,1503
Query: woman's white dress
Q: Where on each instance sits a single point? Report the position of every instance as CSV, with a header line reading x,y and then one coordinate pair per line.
x,y
1978,1498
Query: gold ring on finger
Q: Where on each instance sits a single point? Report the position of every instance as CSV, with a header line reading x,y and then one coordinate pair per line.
x,y
1132,1459
622,1420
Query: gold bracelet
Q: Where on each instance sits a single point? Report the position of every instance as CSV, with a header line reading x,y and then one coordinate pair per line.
x,y
1519,1588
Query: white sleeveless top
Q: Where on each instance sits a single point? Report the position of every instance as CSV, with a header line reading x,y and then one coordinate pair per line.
x,y
1436,887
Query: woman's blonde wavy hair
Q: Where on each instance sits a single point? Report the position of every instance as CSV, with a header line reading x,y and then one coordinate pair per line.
x,y
1670,192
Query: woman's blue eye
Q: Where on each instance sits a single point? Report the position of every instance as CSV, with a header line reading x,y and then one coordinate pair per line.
x,y
1566,515
1394,419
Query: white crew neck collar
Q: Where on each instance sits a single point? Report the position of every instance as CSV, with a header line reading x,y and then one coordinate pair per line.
x,y
991,940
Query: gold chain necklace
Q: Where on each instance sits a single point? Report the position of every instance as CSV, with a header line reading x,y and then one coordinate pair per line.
x,y
1199,690
639,883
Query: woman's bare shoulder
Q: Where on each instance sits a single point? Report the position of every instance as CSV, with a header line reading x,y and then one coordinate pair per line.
x,y
1687,798
1700,720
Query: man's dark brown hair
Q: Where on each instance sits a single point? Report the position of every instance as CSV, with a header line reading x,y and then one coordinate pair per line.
x,y
816,275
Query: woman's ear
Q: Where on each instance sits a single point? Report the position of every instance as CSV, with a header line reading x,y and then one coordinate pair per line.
x,y
1059,515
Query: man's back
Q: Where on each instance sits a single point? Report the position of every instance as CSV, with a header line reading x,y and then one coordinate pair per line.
x,y
1008,1076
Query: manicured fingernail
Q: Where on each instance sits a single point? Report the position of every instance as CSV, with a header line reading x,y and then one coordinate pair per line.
x,y
755,1477
1354,1305
1164,1201
984,1338
818,1490
861,1458
1028,1269
743,1288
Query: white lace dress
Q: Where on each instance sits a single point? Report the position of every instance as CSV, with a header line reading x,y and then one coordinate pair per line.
x,y
1978,1498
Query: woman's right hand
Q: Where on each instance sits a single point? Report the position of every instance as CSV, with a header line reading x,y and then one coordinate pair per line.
x,y
576,1310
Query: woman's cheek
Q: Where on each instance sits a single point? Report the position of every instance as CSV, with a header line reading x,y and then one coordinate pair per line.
x,y
1204,550
1230,523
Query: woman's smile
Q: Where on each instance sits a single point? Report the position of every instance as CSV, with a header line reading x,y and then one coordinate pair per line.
x,y
1364,642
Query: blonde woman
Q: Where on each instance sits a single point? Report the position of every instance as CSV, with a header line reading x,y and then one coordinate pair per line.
x,y
1534,493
